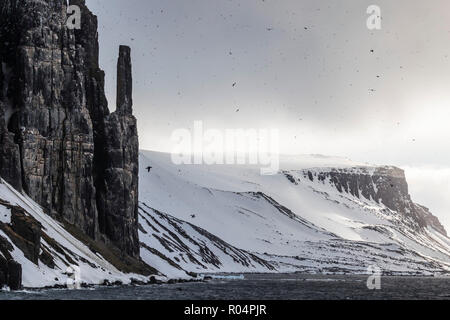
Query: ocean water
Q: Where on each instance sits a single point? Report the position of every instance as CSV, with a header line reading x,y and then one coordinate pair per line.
x,y
259,287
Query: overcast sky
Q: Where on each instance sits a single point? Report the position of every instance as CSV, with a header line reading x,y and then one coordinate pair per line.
x,y
310,68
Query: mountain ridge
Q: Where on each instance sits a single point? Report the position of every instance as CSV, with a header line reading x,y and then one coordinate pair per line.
x,y
296,221
294,218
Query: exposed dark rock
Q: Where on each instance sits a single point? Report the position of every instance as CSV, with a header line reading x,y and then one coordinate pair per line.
x,y
47,259
10,271
385,185
136,282
58,141
3,272
27,234
118,207
5,248
14,275
124,81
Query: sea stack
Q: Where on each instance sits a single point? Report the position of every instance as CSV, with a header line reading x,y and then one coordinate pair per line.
x,y
119,210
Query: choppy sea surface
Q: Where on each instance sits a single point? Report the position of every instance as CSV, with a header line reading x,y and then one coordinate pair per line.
x,y
258,287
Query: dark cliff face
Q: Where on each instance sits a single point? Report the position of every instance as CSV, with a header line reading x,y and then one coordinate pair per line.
x,y
385,185
59,143
118,209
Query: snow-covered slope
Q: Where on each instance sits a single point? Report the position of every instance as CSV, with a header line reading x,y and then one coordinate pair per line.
x,y
45,262
174,246
318,214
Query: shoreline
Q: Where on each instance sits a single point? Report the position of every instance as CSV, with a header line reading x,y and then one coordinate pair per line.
x,y
210,278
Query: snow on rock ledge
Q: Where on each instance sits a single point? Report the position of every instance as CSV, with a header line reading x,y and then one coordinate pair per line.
x,y
386,185
44,249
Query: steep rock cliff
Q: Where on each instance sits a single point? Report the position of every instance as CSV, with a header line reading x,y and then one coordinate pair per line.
x,y
59,143
386,185
118,208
